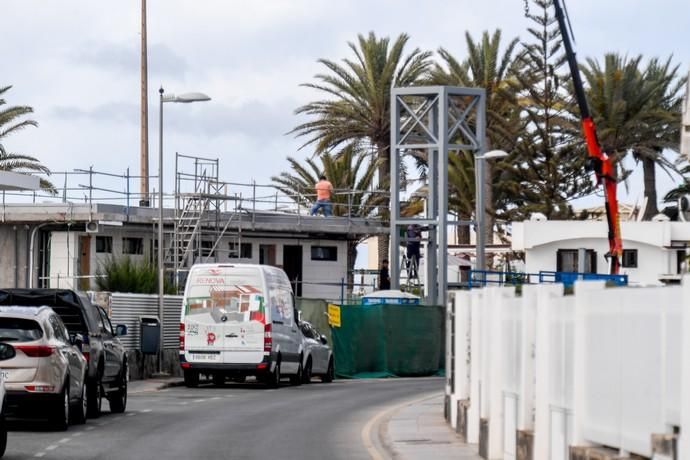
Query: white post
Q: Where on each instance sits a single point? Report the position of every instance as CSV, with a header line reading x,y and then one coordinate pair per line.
x,y
496,364
684,442
582,305
545,295
474,411
461,345
528,313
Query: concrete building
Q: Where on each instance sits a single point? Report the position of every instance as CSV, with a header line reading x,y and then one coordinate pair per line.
x,y
64,244
653,252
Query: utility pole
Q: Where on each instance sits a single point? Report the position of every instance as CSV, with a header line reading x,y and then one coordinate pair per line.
x,y
144,154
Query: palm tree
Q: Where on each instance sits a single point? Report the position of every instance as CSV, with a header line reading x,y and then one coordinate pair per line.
x,y
357,108
486,66
352,173
637,112
11,122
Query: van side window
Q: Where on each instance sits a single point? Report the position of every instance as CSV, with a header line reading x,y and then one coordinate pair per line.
x,y
282,305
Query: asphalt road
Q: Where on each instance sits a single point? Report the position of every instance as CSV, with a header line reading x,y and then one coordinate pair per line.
x,y
316,421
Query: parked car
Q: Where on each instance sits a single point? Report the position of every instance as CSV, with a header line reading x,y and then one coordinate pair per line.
x,y
47,375
107,372
240,320
318,357
7,351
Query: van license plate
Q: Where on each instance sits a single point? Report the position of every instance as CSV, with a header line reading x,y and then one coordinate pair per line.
x,y
205,356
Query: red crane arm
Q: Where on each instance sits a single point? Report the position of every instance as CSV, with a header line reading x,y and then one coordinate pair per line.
x,y
598,161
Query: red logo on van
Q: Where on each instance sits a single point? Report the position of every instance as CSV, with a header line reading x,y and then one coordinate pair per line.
x,y
210,338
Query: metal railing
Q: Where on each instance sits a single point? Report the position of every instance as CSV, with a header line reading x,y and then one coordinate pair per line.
x,y
479,278
90,186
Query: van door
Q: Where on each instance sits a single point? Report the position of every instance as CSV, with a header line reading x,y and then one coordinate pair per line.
x,y
224,315
286,336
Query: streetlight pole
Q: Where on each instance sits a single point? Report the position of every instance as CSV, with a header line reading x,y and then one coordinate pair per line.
x,y
184,98
480,206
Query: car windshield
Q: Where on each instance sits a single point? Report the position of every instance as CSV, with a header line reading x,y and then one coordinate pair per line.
x,y
19,330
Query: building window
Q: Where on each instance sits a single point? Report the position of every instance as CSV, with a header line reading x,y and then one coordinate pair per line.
x,y
104,244
329,253
630,258
244,252
567,261
206,247
133,246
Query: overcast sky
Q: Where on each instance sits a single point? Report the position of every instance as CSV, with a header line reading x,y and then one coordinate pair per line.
x,y
77,63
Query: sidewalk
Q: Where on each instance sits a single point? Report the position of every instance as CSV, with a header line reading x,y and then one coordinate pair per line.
x,y
148,385
419,431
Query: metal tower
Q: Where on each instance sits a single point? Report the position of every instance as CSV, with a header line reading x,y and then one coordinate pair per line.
x,y
437,119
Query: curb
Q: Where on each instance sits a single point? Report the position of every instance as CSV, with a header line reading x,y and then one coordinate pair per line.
x,y
161,386
379,446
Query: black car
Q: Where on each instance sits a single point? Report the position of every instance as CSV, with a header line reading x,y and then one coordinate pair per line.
x,y
107,372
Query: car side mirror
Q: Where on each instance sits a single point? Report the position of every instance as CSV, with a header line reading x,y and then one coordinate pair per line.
x,y
121,329
324,340
77,340
7,351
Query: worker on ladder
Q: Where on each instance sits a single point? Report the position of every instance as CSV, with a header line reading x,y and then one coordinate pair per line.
x,y
414,244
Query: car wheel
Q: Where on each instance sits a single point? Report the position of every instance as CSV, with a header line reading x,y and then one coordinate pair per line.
x,y
274,378
118,400
3,436
306,375
330,373
81,410
59,417
94,397
296,379
191,378
218,379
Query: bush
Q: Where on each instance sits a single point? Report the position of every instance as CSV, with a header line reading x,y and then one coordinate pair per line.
x,y
126,275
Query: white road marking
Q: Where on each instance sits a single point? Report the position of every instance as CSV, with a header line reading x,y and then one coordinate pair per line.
x,y
146,411
131,414
90,428
63,440
215,397
184,403
199,400
52,447
40,454
229,396
78,433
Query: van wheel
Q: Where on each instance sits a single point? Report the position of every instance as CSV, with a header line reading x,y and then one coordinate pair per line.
x,y
306,375
218,379
191,378
296,379
330,374
274,378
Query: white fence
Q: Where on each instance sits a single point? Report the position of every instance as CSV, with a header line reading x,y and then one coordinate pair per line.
x,y
601,367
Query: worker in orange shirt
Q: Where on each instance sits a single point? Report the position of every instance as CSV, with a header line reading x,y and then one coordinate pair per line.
x,y
324,189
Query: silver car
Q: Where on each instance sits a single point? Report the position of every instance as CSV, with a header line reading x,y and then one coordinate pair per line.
x,y
47,375
318,357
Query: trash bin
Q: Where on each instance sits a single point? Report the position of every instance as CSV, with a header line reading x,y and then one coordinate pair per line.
x,y
150,334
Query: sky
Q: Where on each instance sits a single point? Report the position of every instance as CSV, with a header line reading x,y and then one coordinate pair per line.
x,y
76,62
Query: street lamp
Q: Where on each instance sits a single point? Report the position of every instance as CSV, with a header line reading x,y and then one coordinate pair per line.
x,y
480,207
182,98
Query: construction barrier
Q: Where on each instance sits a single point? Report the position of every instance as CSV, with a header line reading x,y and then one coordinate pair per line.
x,y
388,340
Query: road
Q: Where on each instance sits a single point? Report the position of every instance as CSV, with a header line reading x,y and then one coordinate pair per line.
x,y
316,421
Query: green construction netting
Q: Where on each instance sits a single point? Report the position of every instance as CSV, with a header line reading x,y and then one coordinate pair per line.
x,y
389,340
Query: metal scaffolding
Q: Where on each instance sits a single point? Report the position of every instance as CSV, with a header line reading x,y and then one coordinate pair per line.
x,y
437,119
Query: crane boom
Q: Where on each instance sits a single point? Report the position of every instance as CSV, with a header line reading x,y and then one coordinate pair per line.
x,y
597,160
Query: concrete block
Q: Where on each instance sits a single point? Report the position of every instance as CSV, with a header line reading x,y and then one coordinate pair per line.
x,y
446,408
597,453
525,445
484,438
665,446
461,426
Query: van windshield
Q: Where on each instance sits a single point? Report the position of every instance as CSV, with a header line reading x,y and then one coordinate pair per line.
x,y
225,294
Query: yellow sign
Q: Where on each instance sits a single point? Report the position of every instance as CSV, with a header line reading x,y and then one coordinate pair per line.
x,y
333,315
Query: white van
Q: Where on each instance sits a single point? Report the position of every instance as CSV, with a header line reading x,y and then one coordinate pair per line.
x,y
239,320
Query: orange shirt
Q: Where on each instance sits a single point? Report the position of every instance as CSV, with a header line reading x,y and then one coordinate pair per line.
x,y
324,190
